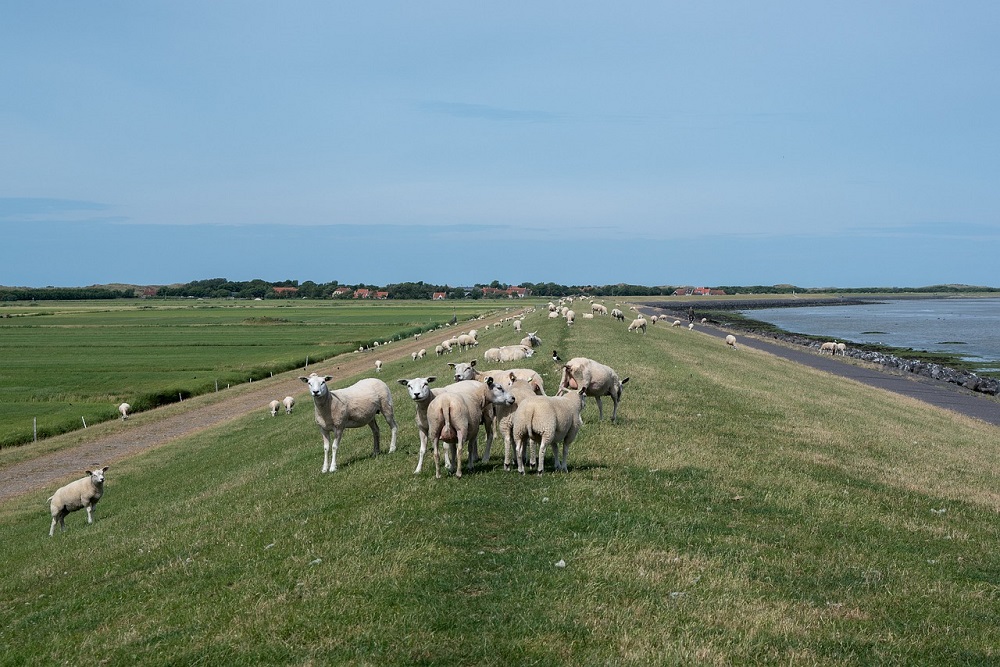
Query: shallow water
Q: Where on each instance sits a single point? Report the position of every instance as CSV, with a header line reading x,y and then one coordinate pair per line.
x,y
968,328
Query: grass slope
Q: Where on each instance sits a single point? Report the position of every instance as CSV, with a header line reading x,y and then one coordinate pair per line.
x,y
743,511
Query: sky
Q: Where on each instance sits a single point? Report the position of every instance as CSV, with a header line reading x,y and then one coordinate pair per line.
x,y
659,142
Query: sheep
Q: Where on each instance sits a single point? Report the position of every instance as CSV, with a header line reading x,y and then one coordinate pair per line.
x,y
598,309
618,315
731,341
351,407
595,379
378,365
531,340
704,320
548,420
84,492
842,348
553,314
289,403
675,323
454,417
506,353
422,353
638,324
467,371
413,356
588,316
521,388
517,326
570,317
830,347
123,410
439,350
274,405
691,326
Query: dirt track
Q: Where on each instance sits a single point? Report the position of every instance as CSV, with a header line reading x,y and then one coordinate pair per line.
x,y
50,470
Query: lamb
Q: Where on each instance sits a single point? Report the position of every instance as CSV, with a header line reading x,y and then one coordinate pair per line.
x,y
454,417
531,340
830,347
507,353
378,365
548,420
595,379
731,341
842,348
123,410
289,403
637,324
84,492
351,407
274,405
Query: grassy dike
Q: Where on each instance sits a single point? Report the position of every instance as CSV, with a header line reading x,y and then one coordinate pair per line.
x,y
744,510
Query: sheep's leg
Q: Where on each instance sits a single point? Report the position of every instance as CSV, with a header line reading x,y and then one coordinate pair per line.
x,y
459,443
600,408
488,425
392,429
326,451
90,514
519,454
614,413
437,461
375,433
423,450
541,453
52,530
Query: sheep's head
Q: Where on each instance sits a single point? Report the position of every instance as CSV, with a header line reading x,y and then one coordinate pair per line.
x,y
464,371
97,476
497,393
418,388
317,384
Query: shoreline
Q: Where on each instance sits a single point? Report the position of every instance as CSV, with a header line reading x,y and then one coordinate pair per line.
x,y
883,355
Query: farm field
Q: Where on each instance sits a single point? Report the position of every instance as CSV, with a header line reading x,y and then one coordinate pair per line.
x,y
67,364
744,510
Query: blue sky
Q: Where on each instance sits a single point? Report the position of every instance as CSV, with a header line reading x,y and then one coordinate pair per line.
x,y
658,143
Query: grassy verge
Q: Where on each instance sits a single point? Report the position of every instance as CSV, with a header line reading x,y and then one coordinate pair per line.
x,y
743,511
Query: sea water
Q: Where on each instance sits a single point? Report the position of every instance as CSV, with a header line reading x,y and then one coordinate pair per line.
x,y
964,327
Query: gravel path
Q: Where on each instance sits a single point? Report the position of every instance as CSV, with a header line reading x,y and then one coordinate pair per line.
x,y
49,471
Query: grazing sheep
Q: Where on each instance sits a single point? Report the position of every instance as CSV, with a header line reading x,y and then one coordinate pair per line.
x,y
289,403
570,317
548,420
598,309
352,407
830,347
731,341
422,353
439,350
842,348
413,356
618,315
84,492
274,405
595,379
704,320
455,416
517,326
123,410
638,324
675,323
690,326
378,365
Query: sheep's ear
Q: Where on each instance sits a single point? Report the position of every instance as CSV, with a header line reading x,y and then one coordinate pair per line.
x,y
401,381
90,472
472,363
451,363
489,382
625,380
431,379
304,379
105,468
327,378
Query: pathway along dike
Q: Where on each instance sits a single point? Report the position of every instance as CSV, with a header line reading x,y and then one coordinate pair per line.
x,y
929,390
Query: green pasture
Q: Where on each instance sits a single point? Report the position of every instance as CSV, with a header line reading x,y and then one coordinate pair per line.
x,y
70,363
744,511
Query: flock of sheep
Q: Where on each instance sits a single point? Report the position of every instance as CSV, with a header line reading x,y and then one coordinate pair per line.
x,y
509,401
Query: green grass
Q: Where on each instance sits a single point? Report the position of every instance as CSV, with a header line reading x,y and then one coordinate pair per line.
x,y
743,511
69,362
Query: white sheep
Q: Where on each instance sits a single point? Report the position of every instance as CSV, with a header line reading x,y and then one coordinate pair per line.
x,y
547,420
454,417
289,403
439,350
420,391
704,320
123,410
675,323
731,341
830,347
467,370
595,379
531,340
378,365
84,492
638,324
553,314
618,314
598,309
274,405
422,353
351,407
506,353
517,326
842,348
521,388
690,326
570,317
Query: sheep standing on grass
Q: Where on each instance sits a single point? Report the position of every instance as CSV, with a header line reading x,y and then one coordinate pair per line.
x,y
731,341
830,347
594,379
274,405
378,365
84,492
522,389
351,407
547,420
638,324
842,348
123,410
454,417
289,403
